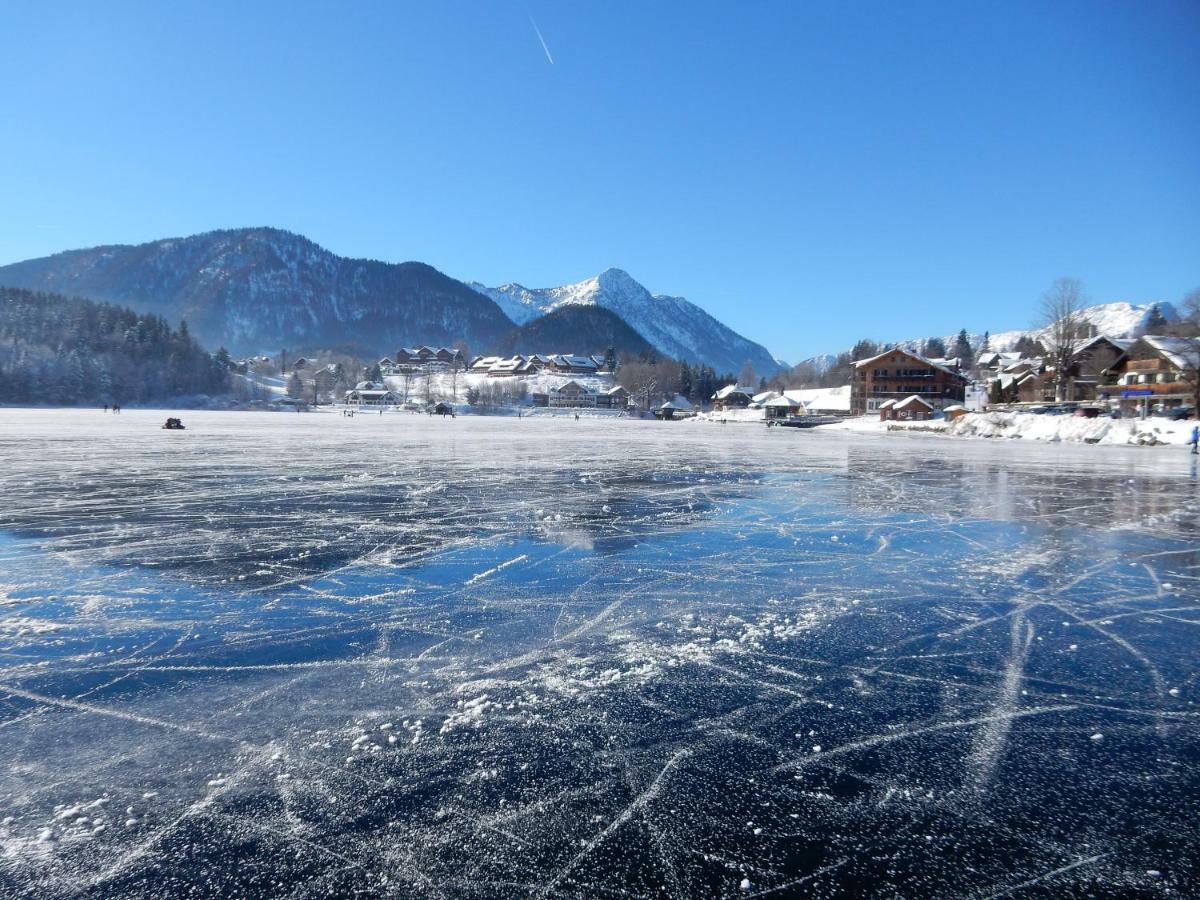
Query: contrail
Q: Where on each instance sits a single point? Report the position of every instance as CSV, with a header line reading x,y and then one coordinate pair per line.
x,y
538,32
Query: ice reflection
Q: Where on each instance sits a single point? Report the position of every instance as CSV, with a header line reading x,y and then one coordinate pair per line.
x,y
317,658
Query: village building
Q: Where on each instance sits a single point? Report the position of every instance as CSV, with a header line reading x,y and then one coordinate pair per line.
x,y
572,365
1165,366
572,395
556,363
898,374
910,409
732,396
1086,376
783,407
1034,387
422,359
614,398
369,393
677,408
834,401
326,378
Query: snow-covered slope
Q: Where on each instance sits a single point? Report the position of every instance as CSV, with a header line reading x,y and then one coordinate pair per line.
x,y
1114,320
675,326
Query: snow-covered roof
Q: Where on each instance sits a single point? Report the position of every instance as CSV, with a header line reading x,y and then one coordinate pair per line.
x,y
732,389
907,400
578,362
507,365
368,386
909,353
370,395
887,404
956,407
1182,353
776,402
679,402
1023,364
764,396
834,399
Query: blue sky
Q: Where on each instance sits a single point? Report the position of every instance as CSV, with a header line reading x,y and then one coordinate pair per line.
x,y
810,173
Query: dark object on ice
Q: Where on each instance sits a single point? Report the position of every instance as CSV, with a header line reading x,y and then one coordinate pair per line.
x,y
173,425
444,409
806,421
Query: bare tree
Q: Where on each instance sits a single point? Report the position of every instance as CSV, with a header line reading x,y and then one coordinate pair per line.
x,y
748,377
1062,307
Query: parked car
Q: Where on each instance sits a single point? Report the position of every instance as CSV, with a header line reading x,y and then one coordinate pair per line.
x,y
1181,413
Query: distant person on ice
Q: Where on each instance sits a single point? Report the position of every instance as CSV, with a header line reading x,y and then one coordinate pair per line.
x,y
1195,441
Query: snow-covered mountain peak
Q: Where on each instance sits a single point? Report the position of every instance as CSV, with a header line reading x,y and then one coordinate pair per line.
x,y
618,282
673,325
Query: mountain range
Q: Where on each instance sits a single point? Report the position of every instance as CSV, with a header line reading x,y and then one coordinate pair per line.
x,y
256,290
673,325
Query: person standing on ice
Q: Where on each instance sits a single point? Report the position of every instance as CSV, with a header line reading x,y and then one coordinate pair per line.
x,y
1195,441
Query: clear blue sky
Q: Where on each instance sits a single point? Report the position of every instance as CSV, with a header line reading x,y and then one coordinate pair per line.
x,y
808,172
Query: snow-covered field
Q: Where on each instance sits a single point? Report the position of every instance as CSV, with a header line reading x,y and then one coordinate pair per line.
x,y
1150,431
313,655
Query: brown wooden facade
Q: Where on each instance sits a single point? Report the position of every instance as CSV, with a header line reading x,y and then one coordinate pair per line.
x,y
898,374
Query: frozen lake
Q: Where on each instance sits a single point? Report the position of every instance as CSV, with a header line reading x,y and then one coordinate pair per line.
x,y
312,656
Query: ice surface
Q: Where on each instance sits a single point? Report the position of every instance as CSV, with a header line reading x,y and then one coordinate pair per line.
x,y
311,655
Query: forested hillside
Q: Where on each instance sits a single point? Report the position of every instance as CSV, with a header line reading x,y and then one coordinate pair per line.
x,y
62,350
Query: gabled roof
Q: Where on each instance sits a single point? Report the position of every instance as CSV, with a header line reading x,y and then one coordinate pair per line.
x,y
506,365
908,400
911,355
1182,353
577,362
1100,338
730,389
